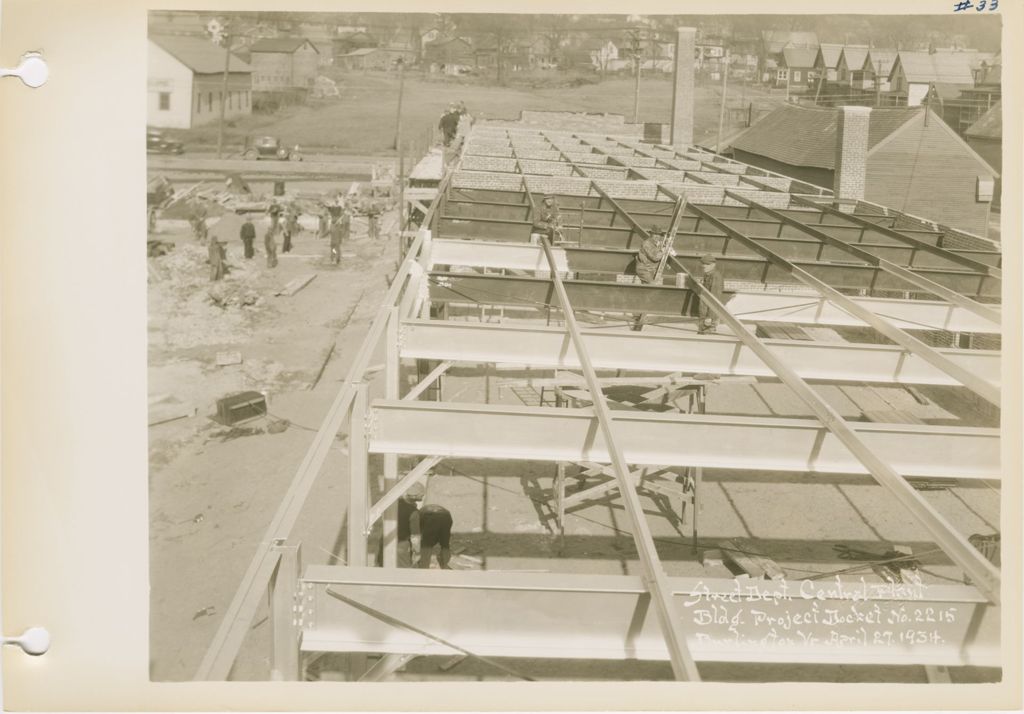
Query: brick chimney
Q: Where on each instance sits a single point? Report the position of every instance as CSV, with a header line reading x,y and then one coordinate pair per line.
x,y
682,89
851,153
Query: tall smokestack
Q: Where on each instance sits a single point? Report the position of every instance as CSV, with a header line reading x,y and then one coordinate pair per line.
x,y
682,89
851,153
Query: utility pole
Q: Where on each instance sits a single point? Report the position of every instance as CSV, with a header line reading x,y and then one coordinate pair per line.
x,y
721,111
878,85
401,156
220,33
636,86
401,91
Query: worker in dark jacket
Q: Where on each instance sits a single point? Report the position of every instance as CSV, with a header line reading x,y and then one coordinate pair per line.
x,y
548,221
435,530
714,283
651,254
449,124
373,212
289,227
248,235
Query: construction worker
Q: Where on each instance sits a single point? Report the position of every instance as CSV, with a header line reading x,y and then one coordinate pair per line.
x,y
198,222
289,226
435,530
651,255
216,257
407,513
248,234
449,124
269,238
339,233
324,224
549,219
373,211
714,283
463,126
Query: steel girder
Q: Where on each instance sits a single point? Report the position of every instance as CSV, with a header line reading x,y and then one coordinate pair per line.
x,y
668,300
838,621
831,262
673,351
763,444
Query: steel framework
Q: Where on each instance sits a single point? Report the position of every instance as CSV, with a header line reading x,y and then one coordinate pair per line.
x,y
791,259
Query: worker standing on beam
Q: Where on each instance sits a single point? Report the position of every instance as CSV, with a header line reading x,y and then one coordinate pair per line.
x,y
549,220
269,239
713,281
408,517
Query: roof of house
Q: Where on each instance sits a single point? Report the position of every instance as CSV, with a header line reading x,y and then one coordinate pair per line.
x,y
830,54
806,136
881,60
199,55
989,124
945,67
853,56
279,44
775,40
799,56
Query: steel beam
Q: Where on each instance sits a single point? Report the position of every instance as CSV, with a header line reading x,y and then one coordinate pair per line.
x,y
667,300
917,244
667,350
922,279
649,438
980,387
655,579
425,383
607,617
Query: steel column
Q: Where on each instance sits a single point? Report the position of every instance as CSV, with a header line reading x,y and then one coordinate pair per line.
x,y
391,497
358,482
285,657
392,367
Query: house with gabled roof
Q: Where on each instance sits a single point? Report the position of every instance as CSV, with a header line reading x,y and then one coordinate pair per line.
x,y
915,160
827,60
283,63
913,74
850,65
796,68
185,81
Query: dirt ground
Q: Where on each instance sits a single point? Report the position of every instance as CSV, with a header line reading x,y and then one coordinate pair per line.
x,y
214,489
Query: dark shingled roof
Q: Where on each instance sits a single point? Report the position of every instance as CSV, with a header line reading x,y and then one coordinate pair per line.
x,y
806,136
279,44
199,55
989,124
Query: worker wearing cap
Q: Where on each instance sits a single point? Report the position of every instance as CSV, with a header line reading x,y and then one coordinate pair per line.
x,y
290,226
549,219
714,283
373,211
652,252
269,239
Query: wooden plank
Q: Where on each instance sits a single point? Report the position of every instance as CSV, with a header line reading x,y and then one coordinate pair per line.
x,y
770,567
750,566
296,285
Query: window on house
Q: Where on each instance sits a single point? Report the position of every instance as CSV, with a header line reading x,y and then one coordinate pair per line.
x,y
783,75
796,75
165,101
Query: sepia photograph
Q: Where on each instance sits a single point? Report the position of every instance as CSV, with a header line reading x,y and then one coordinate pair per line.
x,y
668,347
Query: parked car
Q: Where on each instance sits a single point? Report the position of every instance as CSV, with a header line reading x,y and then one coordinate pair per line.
x,y
270,147
157,142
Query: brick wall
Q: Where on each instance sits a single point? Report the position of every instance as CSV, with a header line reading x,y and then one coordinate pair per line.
x,y
547,168
541,155
717,179
776,182
684,164
569,186
488,163
636,160
494,182
580,157
646,190
606,173
697,193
